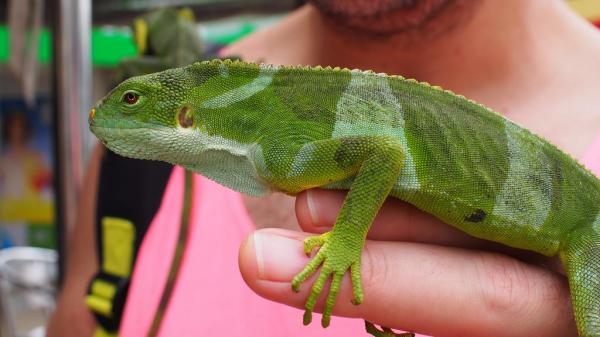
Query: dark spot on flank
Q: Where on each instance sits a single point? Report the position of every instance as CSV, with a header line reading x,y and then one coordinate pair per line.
x,y
185,117
476,216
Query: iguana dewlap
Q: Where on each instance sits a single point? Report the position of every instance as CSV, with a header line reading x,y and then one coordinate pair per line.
x,y
262,128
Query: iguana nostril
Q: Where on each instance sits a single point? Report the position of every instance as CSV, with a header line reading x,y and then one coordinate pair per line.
x,y
91,114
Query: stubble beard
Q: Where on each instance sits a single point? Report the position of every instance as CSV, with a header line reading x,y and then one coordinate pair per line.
x,y
394,17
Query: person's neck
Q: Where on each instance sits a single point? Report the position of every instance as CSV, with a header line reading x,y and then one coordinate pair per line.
x,y
501,43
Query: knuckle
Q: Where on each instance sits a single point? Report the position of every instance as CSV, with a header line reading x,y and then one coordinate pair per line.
x,y
510,289
374,273
505,287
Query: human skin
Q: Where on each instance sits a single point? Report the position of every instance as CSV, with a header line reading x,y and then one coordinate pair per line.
x,y
432,278
71,317
521,58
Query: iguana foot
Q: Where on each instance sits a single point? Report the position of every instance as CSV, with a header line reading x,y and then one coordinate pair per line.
x,y
385,332
334,257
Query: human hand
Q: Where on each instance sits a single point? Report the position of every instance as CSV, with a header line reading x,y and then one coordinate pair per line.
x,y
427,277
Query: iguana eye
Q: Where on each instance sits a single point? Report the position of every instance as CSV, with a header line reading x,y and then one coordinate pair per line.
x,y
130,97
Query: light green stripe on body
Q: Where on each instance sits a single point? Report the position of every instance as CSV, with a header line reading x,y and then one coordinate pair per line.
x,y
519,201
302,159
264,78
460,153
368,107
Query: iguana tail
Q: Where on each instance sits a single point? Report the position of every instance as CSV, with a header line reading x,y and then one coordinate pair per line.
x,y
581,259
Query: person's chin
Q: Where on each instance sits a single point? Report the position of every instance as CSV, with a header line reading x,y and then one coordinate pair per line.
x,y
382,16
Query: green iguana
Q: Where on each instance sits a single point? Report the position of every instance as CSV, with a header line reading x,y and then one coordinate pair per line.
x,y
262,128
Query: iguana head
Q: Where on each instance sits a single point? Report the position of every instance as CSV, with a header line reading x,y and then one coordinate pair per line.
x,y
177,115
144,116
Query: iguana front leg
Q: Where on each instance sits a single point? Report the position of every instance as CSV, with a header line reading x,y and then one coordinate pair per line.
x,y
375,164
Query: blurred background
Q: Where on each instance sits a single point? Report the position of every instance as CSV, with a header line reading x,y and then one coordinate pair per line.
x,y
57,57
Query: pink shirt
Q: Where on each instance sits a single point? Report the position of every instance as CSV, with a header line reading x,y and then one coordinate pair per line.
x,y
210,297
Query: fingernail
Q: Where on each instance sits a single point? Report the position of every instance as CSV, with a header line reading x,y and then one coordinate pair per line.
x,y
278,257
312,208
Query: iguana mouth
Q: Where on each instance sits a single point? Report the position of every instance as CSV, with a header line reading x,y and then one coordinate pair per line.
x,y
109,123
134,142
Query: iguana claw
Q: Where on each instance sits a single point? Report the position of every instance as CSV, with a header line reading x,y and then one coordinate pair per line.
x,y
313,242
385,332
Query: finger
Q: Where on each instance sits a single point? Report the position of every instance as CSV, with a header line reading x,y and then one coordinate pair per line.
x,y
435,290
317,209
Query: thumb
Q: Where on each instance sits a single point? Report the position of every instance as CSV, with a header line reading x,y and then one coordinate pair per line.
x,y
442,291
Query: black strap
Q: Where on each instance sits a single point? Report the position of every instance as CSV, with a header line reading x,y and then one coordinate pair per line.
x,y
133,190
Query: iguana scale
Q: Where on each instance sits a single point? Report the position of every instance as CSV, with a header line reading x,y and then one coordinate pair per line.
x,y
262,128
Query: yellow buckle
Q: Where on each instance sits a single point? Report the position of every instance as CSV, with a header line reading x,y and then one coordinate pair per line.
x,y
103,333
100,299
108,288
